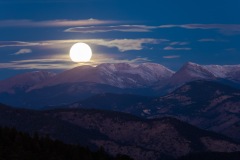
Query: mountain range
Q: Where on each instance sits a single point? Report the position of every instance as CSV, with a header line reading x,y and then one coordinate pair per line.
x,y
41,89
145,111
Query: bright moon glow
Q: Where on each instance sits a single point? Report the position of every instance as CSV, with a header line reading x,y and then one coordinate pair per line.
x,y
80,52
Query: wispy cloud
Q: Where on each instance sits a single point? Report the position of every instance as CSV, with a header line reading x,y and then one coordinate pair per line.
x,y
119,28
95,25
231,49
63,62
126,44
168,48
121,44
171,57
207,40
223,28
178,43
54,23
212,40
39,1
23,51
229,29
37,64
20,44
169,26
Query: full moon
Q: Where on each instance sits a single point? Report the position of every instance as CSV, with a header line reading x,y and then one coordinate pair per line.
x,y
80,52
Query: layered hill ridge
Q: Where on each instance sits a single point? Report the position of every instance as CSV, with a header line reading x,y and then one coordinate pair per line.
x,y
206,104
119,133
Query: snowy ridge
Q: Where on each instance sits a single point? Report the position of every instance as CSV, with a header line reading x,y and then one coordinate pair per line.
x,y
189,72
192,71
24,81
225,71
122,75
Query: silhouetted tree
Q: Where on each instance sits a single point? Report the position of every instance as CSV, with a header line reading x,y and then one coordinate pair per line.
x,y
16,145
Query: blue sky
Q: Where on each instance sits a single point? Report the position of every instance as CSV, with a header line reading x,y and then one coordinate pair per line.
x,y
37,35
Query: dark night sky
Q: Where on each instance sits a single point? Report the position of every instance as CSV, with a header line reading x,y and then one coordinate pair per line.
x,y
37,35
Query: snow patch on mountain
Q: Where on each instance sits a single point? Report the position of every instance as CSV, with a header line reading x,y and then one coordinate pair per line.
x,y
132,75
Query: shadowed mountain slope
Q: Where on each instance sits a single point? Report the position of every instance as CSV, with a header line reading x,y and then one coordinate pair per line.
x,y
118,132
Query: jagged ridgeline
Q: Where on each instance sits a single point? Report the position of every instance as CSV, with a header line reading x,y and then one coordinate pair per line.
x,y
41,89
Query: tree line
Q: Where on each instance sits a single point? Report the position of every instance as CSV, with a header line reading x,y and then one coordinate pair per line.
x,y
15,145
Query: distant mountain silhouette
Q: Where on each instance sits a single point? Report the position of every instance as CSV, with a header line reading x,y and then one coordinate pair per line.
x,y
63,94
111,101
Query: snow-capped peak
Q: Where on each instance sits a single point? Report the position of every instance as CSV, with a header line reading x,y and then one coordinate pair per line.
x,y
218,71
192,71
189,72
196,70
123,75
